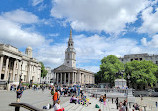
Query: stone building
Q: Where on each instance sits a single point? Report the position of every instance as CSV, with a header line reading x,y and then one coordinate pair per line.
x,y
140,57
16,66
67,73
49,77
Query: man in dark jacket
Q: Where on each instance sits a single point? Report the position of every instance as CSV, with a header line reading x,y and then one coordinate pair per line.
x,y
19,94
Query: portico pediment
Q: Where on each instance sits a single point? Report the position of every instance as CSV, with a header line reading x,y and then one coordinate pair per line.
x,y
63,68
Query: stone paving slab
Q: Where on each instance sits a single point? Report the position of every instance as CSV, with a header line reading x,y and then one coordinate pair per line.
x,y
40,99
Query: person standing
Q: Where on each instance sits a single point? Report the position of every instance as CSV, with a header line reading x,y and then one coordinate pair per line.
x,y
156,104
55,97
116,101
19,94
104,99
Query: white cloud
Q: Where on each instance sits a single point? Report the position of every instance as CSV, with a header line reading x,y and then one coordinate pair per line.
x,y
36,2
98,15
153,43
12,31
51,55
20,16
150,21
90,50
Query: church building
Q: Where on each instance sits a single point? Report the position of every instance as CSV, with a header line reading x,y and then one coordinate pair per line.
x,y
67,73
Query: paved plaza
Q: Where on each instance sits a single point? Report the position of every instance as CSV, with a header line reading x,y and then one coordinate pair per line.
x,y
40,99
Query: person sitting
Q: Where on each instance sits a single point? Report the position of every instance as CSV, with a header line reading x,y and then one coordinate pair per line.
x,y
73,99
136,106
57,106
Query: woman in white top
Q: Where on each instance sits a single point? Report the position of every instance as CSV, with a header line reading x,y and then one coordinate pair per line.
x,y
57,107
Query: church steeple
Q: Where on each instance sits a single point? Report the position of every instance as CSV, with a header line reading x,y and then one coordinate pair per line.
x,y
70,42
70,53
70,38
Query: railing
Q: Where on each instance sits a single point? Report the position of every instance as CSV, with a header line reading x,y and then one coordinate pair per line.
x,y
24,105
103,90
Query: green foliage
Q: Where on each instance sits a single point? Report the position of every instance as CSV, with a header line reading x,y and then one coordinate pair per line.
x,y
43,70
25,84
109,67
142,72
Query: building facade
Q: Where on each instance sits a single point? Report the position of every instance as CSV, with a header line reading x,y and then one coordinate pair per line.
x,y
49,77
16,66
67,73
140,57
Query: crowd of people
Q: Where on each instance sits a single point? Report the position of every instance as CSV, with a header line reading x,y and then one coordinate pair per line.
x,y
75,92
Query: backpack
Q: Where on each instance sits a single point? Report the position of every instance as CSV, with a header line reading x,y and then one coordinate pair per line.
x,y
96,106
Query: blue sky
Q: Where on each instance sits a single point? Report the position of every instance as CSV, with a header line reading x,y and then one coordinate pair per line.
x,y
99,28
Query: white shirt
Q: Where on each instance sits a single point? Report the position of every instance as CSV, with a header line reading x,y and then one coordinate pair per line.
x,y
57,106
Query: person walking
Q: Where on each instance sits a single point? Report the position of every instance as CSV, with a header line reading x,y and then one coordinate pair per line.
x,y
156,104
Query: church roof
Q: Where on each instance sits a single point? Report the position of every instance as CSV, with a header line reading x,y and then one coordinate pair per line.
x,y
64,68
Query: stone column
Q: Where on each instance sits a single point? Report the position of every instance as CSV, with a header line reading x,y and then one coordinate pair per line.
x,y
68,78
79,77
54,77
72,77
19,68
57,75
1,65
83,82
6,69
75,77
61,78
65,78
14,70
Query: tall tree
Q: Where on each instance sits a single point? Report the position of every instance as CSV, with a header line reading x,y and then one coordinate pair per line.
x,y
43,70
109,69
142,72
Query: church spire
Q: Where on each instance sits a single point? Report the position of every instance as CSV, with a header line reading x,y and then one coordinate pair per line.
x,y
70,38
70,53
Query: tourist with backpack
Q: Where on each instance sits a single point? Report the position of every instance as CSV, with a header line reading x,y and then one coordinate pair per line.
x,y
19,93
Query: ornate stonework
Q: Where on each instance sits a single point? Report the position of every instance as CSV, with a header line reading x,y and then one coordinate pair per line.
x,y
15,65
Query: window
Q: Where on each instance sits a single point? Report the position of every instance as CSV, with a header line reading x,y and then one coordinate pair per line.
x,y
136,58
2,76
141,59
67,61
156,62
131,59
24,77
